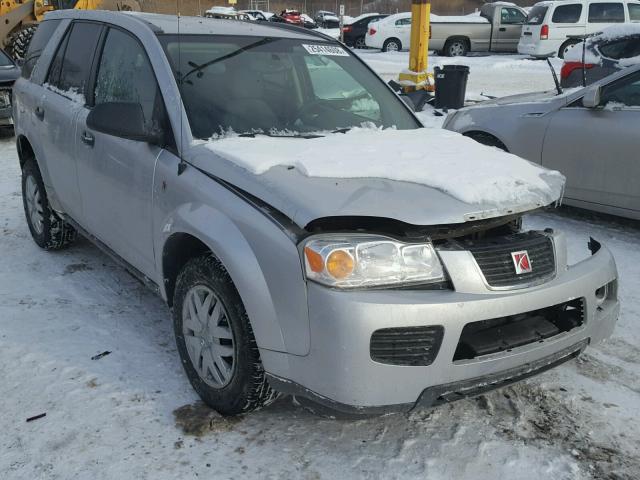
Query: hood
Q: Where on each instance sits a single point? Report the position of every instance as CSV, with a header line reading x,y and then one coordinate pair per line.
x,y
550,98
421,177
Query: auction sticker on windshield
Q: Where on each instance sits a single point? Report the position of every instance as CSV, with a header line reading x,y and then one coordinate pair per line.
x,y
326,50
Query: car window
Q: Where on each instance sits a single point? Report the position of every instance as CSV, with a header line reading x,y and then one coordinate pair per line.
x,y
537,14
43,34
70,70
403,22
567,14
332,83
625,48
624,92
606,13
634,12
125,74
512,16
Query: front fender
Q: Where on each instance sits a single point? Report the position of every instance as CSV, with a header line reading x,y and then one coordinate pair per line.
x,y
261,259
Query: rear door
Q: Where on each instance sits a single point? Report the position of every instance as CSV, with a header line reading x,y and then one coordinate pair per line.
x,y
567,20
116,174
507,33
402,31
597,150
57,108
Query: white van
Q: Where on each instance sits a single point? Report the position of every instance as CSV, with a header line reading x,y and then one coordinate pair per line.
x,y
551,25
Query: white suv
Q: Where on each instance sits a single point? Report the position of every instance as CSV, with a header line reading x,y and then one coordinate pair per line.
x,y
552,26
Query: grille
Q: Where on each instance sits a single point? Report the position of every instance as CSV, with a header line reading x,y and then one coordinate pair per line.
x,y
411,346
493,256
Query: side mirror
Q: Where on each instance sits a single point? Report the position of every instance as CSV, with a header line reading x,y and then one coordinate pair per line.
x,y
124,120
592,97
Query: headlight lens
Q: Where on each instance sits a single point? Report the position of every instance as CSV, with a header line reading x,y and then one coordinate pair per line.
x,y
352,261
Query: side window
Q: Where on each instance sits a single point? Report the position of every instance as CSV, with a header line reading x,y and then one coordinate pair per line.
x,y
38,42
625,48
332,83
512,16
606,13
403,22
624,92
634,12
69,71
567,14
125,75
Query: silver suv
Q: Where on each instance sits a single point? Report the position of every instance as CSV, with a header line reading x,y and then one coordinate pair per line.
x,y
309,235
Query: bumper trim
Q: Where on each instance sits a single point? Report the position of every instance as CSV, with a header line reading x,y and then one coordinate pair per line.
x,y
451,392
438,394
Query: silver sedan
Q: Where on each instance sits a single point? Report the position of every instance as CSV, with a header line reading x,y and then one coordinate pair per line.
x,y
591,135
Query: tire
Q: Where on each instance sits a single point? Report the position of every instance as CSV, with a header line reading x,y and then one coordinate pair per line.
x,y
565,46
360,43
48,230
391,45
458,47
215,342
487,139
18,42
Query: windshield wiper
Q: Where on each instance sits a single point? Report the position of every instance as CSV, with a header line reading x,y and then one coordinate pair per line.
x,y
272,135
199,68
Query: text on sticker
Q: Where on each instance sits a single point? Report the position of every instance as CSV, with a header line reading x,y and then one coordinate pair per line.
x,y
326,50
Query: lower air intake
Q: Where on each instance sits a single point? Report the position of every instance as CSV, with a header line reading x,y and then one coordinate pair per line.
x,y
409,346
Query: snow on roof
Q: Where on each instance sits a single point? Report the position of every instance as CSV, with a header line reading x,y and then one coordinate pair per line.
x,y
360,17
437,158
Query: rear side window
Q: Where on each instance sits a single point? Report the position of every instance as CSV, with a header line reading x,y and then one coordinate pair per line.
x,y
403,22
606,13
537,14
567,14
625,48
40,39
634,12
125,75
69,70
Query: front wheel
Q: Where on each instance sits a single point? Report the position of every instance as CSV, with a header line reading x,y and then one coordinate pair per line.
x,y
215,340
392,45
48,230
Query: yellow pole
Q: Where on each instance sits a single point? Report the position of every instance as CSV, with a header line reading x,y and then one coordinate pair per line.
x,y
416,77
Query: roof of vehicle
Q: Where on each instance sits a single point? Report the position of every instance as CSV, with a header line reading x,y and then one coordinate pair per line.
x,y
548,3
193,25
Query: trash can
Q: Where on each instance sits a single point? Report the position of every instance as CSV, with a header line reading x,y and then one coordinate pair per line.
x,y
451,86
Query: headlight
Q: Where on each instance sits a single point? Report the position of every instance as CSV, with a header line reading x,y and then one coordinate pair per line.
x,y
351,261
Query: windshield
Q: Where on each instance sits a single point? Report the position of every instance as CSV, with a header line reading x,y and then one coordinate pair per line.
x,y
537,14
5,61
271,85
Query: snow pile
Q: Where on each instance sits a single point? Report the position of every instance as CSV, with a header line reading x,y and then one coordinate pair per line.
x,y
440,159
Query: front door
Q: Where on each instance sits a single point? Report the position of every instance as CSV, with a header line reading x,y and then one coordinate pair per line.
x,y
508,33
597,149
116,174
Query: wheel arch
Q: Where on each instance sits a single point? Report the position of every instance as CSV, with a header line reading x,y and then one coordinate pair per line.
x,y
25,150
478,135
454,38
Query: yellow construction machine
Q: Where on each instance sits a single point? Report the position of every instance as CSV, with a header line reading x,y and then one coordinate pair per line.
x,y
19,18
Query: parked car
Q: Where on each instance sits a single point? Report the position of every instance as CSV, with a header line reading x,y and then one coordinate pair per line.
x,y
355,32
227,13
294,260
307,21
496,29
259,15
589,135
326,19
601,55
553,26
9,72
292,17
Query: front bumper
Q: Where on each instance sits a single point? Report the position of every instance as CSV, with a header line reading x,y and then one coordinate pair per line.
x,y
339,370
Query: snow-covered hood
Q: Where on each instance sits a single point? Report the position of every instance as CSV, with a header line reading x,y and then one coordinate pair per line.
x,y
422,177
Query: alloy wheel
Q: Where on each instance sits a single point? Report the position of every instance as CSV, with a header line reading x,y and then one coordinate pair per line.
x,y
34,204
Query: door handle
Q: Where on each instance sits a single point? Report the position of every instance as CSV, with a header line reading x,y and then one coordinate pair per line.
x,y
87,138
40,113
503,29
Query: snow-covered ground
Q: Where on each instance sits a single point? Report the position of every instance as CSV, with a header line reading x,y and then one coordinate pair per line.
x,y
132,413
